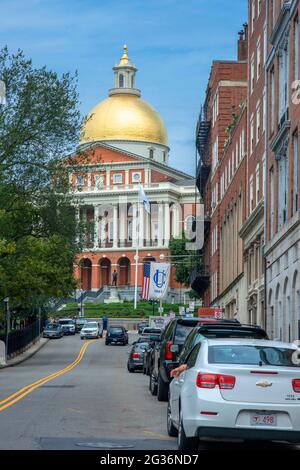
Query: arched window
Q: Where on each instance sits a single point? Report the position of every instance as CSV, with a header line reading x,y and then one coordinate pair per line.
x,y
151,153
121,80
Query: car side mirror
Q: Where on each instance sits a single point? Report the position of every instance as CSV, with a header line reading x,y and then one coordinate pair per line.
x,y
174,348
134,343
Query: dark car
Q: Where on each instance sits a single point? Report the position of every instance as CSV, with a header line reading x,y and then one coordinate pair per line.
x,y
219,330
142,325
135,360
115,335
148,354
79,324
166,352
53,330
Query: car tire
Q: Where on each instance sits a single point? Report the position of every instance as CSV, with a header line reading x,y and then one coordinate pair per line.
x,y
172,431
162,389
152,385
186,443
82,337
130,369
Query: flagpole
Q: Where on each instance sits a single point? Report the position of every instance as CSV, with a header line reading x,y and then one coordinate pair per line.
x,y
137,253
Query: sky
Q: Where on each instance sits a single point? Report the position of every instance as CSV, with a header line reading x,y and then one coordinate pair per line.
x,y
172,43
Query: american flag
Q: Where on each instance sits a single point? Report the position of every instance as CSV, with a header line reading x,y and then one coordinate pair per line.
x,y
146,281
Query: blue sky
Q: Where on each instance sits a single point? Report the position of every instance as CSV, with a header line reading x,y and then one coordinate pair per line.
x,y
172,42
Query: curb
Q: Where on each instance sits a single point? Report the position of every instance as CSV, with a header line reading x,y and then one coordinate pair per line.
x,y
23,359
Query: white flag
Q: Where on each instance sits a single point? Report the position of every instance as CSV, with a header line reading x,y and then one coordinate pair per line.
x,y
159,280
144,199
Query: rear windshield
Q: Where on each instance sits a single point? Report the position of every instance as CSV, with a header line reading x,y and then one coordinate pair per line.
x,y
182,332
66,322
115,330
234,333
253,355
141,346
151,330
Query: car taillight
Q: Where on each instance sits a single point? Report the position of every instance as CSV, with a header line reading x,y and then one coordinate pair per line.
x,y
224,382
296,385
135,354
168,353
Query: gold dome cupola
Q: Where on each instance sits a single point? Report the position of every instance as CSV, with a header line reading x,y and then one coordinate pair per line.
x,y
126,121
124,76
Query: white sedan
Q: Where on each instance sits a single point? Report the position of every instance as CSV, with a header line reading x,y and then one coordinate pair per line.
x,y
91,330
243,389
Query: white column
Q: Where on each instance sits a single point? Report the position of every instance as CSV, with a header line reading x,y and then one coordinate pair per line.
x,y
102,230
89,177
167,225
107,178
160,224
123,221
134,224
115,226
141,225
126,177
77,217
96,227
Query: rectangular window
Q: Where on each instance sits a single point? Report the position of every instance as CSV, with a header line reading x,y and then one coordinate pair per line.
x,y
265,42
252,15
80,180
272,98
251,195
257,122
215,153
271,203
296,48
252,74
251,135
117,178
296,171
258,59
264,109
257,185
263,174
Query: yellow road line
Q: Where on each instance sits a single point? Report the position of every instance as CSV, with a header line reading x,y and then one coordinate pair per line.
x,y
23,392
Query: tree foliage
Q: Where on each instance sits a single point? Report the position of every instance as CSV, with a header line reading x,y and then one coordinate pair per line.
x,y
39,127
184,260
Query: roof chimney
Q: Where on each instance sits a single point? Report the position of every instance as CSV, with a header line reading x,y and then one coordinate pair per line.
x,y
243,43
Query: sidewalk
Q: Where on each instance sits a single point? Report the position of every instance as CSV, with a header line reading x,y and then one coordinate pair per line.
x,y
26,354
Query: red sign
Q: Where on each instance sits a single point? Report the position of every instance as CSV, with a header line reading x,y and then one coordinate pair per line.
x,y
211,313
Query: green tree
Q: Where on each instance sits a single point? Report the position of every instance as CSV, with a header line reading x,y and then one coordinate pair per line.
x,y
185,261
39,127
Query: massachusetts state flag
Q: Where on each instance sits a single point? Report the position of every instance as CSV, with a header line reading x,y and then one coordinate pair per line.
x,y
144,199
146,281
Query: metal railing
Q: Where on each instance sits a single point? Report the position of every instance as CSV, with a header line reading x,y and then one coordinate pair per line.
x,y
20,340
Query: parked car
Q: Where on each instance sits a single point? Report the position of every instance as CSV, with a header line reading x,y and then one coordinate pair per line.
x,y
135,360
79,324
68,326
53,330
219,330
142,325
150,331
236,388
148,354
91,330
166,352
116,334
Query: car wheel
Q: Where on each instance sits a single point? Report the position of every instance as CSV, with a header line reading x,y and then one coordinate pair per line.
x,y
130,369
152,385
82,337
162,389
172,431
186,443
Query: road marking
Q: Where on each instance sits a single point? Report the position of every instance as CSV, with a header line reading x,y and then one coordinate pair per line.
x,y
23,392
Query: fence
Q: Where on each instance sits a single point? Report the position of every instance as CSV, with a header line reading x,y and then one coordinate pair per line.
x,y
19,341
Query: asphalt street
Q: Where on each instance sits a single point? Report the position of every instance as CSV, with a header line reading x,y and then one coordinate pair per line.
x,y
95,405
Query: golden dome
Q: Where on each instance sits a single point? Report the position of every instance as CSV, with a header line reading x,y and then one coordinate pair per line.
x,y
124,117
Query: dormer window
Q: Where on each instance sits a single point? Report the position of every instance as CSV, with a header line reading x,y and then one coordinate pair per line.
x,y
136,177
151,153
121,80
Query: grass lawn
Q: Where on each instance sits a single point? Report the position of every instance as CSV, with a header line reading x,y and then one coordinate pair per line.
x,y
125,310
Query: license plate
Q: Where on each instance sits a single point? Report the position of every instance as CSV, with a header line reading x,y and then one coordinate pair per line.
x,y
263,419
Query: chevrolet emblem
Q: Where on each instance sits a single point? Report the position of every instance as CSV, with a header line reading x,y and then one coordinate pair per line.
x,y
264,384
